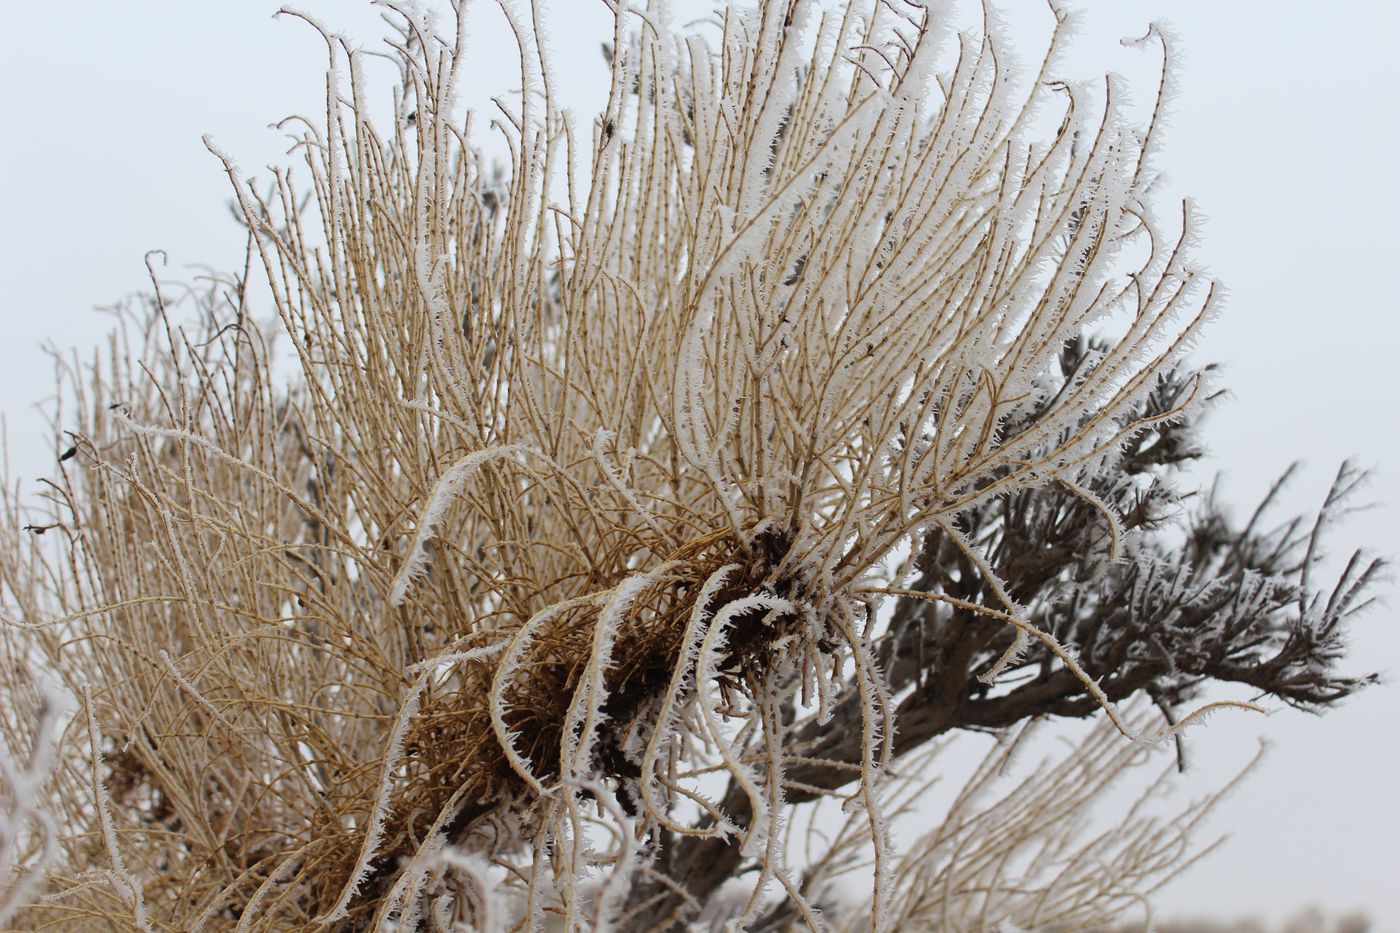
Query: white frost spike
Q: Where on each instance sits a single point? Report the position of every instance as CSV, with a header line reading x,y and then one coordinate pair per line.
x,y
585,710
612,897
407,709
128,887
253,908
193,691
615,479
680,680
447,488
1011,655
375,831
743,774
406,897
515,651
1022,639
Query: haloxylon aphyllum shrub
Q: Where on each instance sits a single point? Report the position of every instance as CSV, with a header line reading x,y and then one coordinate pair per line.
x,y
823,396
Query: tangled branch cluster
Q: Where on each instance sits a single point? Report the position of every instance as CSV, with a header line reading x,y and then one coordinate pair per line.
x,y
577,510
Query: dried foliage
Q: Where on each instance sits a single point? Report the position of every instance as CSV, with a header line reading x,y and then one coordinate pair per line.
x,y
1024,857
550,582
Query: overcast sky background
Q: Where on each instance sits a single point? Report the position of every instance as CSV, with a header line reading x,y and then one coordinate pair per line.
x,y
1283,131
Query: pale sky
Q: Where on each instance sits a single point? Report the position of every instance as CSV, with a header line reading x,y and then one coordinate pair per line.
x,y
1283,131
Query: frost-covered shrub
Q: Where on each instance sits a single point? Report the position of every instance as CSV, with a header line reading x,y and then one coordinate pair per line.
x,y
552,584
